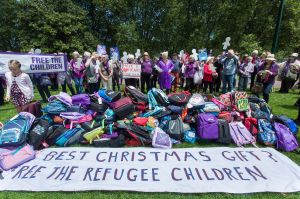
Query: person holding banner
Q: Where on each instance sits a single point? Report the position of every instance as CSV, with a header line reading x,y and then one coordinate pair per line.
x,y
106,73
92,73
131,81
147,67
19,86
164,78
77,68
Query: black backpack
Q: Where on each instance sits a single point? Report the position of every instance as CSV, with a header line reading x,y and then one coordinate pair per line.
x,y
38,133
224,132
136,95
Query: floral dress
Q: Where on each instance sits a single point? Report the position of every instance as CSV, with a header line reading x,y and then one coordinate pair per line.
x,y
18,98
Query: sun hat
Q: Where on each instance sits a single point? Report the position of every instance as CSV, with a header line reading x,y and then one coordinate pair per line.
x,y
146,54
271,57
130,56
255,52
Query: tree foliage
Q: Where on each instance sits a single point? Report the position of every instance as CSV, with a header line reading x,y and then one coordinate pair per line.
x,y
152,26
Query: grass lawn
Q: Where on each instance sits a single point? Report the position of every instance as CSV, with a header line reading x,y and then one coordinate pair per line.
x,y
280,103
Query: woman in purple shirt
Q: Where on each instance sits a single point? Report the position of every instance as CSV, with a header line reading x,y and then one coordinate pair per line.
x,y
147,66
77,68
190,69
267,72
164,77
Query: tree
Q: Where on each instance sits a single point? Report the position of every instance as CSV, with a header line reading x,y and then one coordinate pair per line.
x,y
8,30
53,26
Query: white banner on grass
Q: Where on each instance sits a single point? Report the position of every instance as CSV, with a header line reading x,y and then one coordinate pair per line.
x,y
188,170
34,63
131,71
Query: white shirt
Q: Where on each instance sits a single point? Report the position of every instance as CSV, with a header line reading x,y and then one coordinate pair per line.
x,y
24,83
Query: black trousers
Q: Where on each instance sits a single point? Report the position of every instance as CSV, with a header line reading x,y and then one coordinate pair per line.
x,y
131,82
64,88
286,84
153,81
217,84
145,79
189,84
43,91
206,85
92,87
253,75
1,93
115,82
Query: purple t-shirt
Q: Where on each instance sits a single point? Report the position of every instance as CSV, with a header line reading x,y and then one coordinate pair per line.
x,y
147,66
77,70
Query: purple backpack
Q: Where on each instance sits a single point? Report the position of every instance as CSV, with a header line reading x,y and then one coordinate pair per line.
x,y
240,134
285,139
81,99
63,97
161,139
207,126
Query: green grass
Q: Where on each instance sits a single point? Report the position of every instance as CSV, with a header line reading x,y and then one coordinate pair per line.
x,y
280,103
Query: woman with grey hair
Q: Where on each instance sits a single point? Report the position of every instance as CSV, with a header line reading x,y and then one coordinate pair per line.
x,y
106,73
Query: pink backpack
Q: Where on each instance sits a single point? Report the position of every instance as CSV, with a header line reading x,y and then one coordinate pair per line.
x,y
240,134
75,118
13,158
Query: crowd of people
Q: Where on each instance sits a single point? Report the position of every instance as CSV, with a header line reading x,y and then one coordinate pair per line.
x,y
91,71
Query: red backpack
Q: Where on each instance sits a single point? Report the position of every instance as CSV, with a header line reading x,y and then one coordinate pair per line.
x,y
252,125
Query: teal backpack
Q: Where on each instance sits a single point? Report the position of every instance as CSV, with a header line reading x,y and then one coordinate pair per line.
x,y
14,132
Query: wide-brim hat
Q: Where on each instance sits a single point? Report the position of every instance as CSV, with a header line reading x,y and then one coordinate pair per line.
x,y
146,54
271,57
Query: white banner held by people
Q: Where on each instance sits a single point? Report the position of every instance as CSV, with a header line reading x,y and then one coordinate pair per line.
x,y
34,63
131,71
186,170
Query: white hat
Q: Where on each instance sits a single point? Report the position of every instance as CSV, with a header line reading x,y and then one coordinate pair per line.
x,y
294,55
255,52
130,56
271,57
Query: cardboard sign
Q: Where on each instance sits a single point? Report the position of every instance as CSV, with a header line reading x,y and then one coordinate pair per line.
x,y
131,71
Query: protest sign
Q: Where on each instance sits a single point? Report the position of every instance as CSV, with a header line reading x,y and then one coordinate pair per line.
x,y
131,71
101,49
33,63
114,53
186,170
202,55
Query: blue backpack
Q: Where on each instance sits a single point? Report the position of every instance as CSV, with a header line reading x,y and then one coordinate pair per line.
x,y
55,108
266,134
283,119
109,95
71,136
14,132
157,97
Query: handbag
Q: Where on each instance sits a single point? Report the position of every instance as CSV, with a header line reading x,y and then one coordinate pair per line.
x,y
257,88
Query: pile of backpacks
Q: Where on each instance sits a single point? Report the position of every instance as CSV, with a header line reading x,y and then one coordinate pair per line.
x,y
108,119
